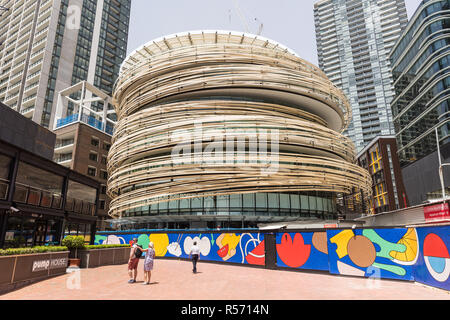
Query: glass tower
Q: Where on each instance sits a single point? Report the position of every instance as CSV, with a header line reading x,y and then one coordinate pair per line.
x,y
420,63
354,39
49,45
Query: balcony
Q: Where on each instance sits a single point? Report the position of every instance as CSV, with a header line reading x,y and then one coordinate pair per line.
x,y
28,112
91,121
64,146
64,160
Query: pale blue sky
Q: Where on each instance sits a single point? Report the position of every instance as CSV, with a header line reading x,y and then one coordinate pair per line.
x,y
289,22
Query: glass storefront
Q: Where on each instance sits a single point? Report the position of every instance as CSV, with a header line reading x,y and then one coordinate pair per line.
x,y
38,187
28,231
81,198
78,229
5,167
313,204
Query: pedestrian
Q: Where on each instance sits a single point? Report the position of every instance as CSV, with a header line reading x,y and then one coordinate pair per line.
x,y
133,261
195,255
148,262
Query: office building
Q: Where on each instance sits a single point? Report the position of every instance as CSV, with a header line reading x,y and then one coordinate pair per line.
x,y
49,45
40,201
420,67
229,129
354,39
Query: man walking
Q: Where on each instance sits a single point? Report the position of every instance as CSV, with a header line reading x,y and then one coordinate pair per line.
x,y
195,254
133,262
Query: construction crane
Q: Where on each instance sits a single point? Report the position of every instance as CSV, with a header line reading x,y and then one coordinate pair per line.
x,y
244,20
261,27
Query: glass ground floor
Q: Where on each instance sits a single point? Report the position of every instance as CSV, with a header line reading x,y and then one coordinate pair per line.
x,y
25,229
315,204
230,211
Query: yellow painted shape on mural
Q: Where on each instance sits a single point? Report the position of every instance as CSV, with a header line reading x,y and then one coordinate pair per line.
x,y
341,240
409,240
161,241
232,240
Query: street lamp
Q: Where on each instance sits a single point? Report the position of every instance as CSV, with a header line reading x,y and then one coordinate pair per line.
x,y
441,167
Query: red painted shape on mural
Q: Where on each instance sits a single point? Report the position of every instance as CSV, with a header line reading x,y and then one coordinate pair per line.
x,y
433,246
293,253
257,255
222,252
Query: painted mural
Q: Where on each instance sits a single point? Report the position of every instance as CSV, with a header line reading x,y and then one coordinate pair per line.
x,y
306,250
244,248
374,253
433,265
411,254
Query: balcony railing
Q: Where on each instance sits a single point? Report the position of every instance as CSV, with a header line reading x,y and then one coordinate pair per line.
x,y
80,207
64,143
37,197
63,158
91,121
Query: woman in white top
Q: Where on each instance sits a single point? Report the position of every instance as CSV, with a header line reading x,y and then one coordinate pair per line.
x,y
195,254
148,262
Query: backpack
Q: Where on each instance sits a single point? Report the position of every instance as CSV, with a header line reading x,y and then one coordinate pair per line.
x,y
138,253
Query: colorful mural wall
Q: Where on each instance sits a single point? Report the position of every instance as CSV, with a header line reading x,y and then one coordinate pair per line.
x,y
410,254
244,248
306,250
433,265
374,253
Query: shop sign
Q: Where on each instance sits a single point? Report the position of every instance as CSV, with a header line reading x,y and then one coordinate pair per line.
x,y
437,212
42,265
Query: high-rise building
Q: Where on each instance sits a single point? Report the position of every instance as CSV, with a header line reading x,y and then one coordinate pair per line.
x,y
420,67
48,45
354,39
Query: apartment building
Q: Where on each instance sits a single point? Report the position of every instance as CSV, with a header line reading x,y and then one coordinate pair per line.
x,y
354,39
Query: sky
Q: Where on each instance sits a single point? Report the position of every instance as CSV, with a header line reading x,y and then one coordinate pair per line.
x,y
289,22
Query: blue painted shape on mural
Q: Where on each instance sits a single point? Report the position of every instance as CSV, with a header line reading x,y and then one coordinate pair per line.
x,y
239,245
436,273
296,253
340,262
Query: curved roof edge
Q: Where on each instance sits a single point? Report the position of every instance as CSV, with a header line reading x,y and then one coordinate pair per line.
x,y
185,33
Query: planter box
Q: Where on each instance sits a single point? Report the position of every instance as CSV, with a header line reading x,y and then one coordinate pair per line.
x,y
103,257
23,269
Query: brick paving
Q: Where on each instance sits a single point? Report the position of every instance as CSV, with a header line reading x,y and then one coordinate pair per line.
x,y
174,280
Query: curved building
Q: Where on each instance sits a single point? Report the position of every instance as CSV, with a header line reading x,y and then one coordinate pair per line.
x,y
421,71
223,126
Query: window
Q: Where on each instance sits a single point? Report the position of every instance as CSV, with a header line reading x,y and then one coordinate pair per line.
x,y
102,205
103,189
104,174
93,156
104,160
106,146
95,142
92,172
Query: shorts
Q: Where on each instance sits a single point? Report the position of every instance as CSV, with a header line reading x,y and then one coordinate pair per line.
x,y
133,264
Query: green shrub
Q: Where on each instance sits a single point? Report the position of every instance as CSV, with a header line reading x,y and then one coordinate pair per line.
x,y
73,242
22,251
106,246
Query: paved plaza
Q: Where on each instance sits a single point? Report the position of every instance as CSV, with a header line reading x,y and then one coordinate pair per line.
x,y
174,280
